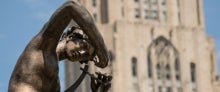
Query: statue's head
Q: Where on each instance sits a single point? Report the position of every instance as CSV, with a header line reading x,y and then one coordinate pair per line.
x,y
84,46
77,47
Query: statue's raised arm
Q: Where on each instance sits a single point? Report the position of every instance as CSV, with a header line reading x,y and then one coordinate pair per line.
x,y
37,67
52,31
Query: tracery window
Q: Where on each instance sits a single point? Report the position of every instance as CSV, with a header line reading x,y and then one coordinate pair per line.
x,y
164,57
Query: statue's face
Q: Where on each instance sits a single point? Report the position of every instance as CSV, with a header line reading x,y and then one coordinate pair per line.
x,y
77,48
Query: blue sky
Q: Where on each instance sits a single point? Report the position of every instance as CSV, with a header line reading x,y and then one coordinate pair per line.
x,y
20,20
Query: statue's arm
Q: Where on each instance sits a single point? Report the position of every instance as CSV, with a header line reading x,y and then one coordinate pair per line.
x,y
52,31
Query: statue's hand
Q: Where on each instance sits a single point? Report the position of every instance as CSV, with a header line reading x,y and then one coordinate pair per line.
x,y
101,83
95,83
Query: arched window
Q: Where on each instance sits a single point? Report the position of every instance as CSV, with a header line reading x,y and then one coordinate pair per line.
x,y
193,72
162,52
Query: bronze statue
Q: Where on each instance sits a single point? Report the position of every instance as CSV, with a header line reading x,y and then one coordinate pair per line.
x,y
37,67
101,83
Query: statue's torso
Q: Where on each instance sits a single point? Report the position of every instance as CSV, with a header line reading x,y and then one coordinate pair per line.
x,y
36,69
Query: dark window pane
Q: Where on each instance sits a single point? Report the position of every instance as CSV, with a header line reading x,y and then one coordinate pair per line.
x,y
134,67
149,68
193,72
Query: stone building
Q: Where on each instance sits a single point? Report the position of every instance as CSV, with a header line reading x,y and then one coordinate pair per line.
x,y
155,45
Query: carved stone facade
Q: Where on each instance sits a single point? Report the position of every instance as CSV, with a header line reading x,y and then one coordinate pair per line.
x,y
155,45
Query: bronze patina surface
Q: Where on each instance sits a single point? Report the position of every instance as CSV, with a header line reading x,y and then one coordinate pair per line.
x,y
37,67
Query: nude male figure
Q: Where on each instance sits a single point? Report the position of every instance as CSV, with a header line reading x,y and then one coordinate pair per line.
x,y
37,67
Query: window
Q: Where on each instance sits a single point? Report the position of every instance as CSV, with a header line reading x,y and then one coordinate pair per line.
x,y
193,72
134,67
155,15
167,72
159,89
94,3
198,12
134,75
137,13
137,10
164,16
149,68
104,11
194,90
178,3
136,0
158,71
122,11
163,2
179,89
146,1
147,14
177,69
153,2
179,15
151,88
169,89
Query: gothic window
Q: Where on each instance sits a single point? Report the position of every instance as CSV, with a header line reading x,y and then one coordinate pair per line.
x,y
155,15
169,89
158,71
122,11
136,0
147,14
151,88
159,89
154,2
179,15
137,13
137,9
193,72
198,12
163,2
149,68
164,16
179,89
134,67
134,74
194,90
168,72
94,3
104,11
160,51
177,69
146,1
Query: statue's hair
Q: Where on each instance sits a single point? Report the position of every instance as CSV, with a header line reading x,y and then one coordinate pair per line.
x,y
71,33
